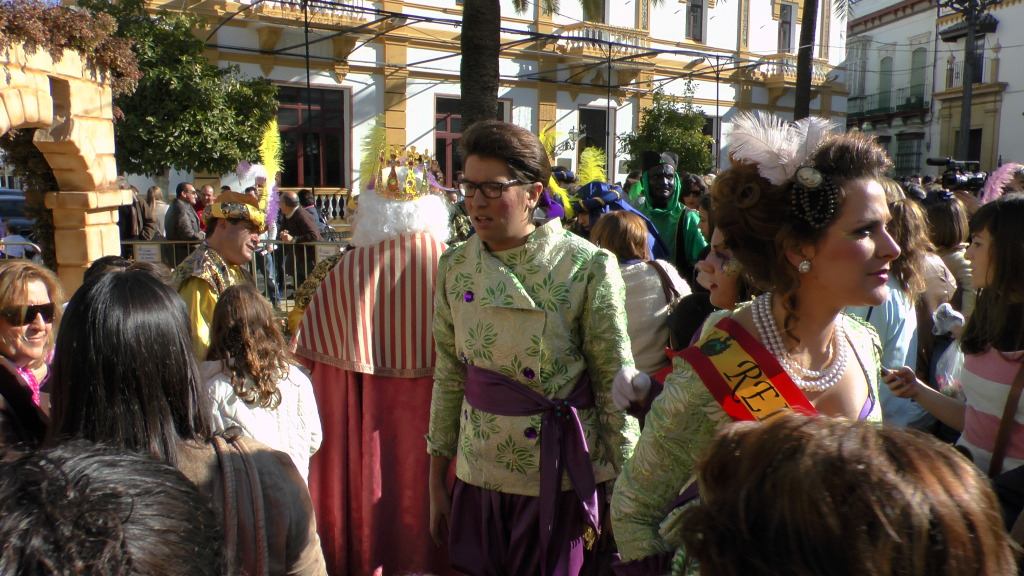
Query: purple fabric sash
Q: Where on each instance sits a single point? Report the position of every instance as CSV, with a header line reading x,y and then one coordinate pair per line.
x,y
562,442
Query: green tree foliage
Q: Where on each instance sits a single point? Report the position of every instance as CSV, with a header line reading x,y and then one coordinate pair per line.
x,y
671,124
186,113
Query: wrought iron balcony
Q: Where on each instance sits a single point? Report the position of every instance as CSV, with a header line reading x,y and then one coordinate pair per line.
x,y
955,72
911,98
855,106
879,103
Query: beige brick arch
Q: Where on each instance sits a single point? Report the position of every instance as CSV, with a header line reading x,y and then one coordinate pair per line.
x,y
72,109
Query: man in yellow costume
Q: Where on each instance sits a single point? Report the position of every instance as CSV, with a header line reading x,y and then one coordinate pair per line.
x,y
234,223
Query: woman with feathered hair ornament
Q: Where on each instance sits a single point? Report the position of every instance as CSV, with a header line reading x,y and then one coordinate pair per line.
x,y
803,211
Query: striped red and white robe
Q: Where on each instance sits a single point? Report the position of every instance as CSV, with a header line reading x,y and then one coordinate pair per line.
x,y
367,333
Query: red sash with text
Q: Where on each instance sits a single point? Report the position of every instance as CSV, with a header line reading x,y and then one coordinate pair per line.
x,y
743,376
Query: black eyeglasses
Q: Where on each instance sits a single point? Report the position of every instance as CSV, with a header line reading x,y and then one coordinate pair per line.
x,y
490,189
22,315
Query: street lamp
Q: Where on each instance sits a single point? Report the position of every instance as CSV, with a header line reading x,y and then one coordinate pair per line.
x,y
972,11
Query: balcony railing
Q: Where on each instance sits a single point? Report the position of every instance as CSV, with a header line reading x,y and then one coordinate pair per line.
x,y
783,67
329,13
586,39
955,72
879,103
855,106
911,98
332,203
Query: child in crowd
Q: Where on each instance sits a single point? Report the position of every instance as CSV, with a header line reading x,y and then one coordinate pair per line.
x,y
253,382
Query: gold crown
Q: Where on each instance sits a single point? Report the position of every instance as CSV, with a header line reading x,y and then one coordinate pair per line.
x,y
403,174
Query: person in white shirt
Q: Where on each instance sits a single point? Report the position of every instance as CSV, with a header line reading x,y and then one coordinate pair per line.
x,y
253,382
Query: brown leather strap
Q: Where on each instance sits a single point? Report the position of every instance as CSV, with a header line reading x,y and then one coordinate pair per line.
x,y
671,294
225,448
227,472
1006,422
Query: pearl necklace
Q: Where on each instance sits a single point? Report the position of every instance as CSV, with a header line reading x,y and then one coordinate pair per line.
x,y
805,379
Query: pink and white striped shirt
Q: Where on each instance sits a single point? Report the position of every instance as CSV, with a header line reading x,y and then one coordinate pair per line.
x,y
373,313
986,382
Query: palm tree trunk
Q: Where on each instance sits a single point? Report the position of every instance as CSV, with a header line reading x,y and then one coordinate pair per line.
x,y
481,49
804,60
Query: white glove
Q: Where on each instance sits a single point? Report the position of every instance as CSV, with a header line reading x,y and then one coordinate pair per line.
x,y
630,385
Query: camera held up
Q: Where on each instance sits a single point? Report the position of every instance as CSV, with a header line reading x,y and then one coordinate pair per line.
x,y
960,174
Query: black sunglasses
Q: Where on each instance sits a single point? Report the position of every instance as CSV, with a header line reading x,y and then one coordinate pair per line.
x,y
22,315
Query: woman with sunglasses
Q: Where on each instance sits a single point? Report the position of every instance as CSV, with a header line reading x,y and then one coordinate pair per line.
x,y
530,332
31,300
690,239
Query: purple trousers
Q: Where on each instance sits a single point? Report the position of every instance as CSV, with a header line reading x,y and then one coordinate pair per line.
x,y
498,534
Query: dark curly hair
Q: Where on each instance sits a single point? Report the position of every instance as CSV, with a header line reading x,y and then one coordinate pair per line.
x,y
758,222
89,510
244,332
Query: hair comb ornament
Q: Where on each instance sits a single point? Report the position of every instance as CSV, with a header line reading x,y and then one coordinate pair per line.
x,y
781,150
815,197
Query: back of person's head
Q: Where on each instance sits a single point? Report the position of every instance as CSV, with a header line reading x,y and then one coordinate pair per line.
x,y
124,371
154,195
104,264
998,318
893,189
691,181
378,219
244,330
517,147
89,510
13,229
833,497
290,199
108,264
622,233
947,220
306,198
908,226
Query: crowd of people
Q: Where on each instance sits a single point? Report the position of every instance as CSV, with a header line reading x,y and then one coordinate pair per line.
x,y
760,373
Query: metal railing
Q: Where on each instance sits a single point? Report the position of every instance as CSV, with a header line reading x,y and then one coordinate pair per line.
x,y
855,106
278,268
955,72
911,98
19,249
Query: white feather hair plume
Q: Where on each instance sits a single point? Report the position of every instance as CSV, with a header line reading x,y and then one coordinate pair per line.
x,y
778,147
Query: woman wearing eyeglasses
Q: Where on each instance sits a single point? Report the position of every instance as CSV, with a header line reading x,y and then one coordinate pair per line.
x,y
31,300
530,333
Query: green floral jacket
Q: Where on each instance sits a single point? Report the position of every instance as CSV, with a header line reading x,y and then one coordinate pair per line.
x,y
540,314
681,424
